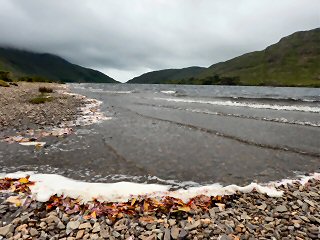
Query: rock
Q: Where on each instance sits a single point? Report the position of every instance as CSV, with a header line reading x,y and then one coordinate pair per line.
x,y
281,208
85,225
262,207
51,219
183,233
192,226
33,232
172,222
60,225
269,219
116,234
72,225
80,234
224,237
212,213
6,229
245,216
167,234
104,233
175,232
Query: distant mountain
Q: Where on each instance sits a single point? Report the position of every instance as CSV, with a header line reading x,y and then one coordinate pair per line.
x,y
293,61
24,63
166,75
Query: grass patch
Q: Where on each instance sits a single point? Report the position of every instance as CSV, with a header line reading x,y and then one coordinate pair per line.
x,y
40,99
45,90
4,84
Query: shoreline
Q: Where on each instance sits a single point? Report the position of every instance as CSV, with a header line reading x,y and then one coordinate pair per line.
x,y
251,215
27,124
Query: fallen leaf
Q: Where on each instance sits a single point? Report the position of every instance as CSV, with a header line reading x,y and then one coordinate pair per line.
x,y
23,180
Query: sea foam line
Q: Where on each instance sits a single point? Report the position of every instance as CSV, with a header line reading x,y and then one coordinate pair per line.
x,y
242,104
47,185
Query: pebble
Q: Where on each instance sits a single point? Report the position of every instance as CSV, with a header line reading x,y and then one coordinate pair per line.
x,y
281,208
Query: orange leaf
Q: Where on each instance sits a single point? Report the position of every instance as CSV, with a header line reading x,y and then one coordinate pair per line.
x,y
145,206
23,180
93,214
133,201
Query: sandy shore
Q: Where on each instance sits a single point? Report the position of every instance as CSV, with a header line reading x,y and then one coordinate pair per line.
x,y
18,113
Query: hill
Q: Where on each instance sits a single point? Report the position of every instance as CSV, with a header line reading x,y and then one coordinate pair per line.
x,y
293,61
24,63
166,75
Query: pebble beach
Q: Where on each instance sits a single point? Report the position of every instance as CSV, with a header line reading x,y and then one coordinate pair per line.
x,y
295,215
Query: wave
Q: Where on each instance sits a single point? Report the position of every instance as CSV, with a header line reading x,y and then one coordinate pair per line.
x,y
47,185
169,92
246,104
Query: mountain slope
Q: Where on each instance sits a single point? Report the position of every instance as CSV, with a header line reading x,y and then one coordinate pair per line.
x,y
166,75
24,63
293,61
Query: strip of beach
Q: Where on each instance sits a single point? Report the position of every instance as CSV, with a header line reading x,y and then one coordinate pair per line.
x,y
294,213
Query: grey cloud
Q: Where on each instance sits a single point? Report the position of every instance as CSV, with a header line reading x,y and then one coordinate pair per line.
x,y
126,37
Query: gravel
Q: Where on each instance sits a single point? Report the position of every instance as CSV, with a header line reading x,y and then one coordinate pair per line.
x,y
18,113
295,215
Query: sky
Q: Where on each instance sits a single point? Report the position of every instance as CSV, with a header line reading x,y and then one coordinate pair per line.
x,y
125,38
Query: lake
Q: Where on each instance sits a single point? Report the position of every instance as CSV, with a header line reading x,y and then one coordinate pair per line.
x,y
185,136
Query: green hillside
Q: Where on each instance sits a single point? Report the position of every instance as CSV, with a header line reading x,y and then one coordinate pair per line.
x,y
164,76
293,61
23,63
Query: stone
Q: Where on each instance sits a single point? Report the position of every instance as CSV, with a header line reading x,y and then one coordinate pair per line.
x,y
116,234
281,208
269,219
72,225
6,229
174,232
172,222
192,226
85,225
80,234
104,233
167,234
183,233
52,218
212,213
33,232
60,225
224,237
262,207
245,216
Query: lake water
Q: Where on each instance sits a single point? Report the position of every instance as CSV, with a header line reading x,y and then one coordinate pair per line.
x,y
185,136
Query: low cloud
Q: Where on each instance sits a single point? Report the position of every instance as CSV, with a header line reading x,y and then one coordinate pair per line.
x,y
124,37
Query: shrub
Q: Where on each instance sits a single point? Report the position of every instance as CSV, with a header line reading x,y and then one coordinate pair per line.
x,y
5,76
45,90
4,84
40,99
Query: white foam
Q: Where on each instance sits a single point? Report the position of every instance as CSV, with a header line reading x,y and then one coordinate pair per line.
x,y
244,104
169,92
47,185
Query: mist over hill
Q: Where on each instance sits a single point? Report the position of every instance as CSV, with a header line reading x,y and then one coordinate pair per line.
x,y
25,63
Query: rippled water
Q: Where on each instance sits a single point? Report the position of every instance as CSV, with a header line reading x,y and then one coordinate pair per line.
x,y
184,136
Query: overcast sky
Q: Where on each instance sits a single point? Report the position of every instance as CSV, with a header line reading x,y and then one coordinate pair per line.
x,y
125,38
